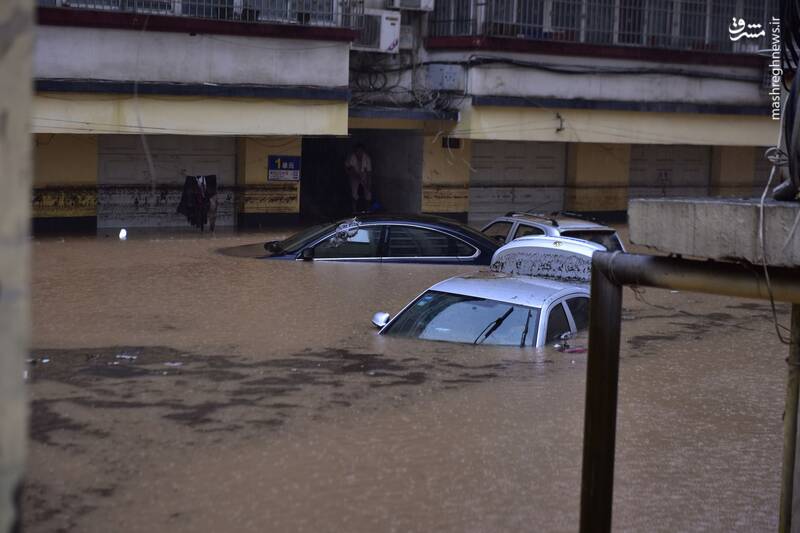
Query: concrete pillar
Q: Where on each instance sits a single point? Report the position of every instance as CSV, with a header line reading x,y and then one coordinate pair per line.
x,y
597,177
16,46
732,171
445,176
262,202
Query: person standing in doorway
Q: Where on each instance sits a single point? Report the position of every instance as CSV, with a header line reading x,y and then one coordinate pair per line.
x,y
358,167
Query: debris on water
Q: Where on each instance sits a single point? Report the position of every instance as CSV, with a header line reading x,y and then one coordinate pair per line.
x,y
25,375
45,360
674,292
123,234
575,350
173,363
126,356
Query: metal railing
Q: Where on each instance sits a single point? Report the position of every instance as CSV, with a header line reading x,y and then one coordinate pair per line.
x,y
332,13
669,24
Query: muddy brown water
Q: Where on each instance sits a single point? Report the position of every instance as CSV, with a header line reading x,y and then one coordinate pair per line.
x,y
191,390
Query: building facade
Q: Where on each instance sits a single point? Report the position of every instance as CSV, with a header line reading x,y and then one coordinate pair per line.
x,y
467,108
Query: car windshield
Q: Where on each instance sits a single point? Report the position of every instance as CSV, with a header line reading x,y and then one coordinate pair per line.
x,y
607,238
298,240
441,316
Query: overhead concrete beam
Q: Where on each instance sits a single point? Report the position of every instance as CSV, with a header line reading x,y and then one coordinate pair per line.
x,y
716,228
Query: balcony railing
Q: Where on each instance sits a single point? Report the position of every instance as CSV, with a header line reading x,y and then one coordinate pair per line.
x,y
330,13
709,25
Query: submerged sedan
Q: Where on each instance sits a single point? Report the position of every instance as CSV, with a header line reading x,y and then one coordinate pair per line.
x,y
388,239
535,294
493,308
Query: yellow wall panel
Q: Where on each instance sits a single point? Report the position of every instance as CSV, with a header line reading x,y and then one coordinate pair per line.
x,y
604,126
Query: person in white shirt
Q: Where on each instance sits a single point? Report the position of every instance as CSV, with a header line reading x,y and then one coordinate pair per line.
x,y
358,167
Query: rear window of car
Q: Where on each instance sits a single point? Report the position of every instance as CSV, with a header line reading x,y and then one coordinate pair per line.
x,y
607,238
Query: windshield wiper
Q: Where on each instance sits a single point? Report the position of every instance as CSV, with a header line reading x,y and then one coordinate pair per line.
x,y
491,328
525,331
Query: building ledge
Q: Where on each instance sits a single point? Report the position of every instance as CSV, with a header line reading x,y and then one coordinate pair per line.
x,y
52,16
193,89
621,105
510,44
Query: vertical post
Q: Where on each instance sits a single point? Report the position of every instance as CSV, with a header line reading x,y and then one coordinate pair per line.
x,y
16,45
602,377
788,494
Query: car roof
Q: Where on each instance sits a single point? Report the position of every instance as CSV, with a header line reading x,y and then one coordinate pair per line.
x,y
560,220
520,290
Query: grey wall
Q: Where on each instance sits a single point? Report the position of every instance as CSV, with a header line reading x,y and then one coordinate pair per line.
x,y
669,170
109,54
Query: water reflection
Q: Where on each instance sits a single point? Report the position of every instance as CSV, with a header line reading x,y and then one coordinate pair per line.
x,y
193,390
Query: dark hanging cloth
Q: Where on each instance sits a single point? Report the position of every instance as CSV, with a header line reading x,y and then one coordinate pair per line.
x,y
197,190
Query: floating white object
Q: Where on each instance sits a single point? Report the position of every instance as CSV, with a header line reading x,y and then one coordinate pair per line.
x,y
123,234
558,258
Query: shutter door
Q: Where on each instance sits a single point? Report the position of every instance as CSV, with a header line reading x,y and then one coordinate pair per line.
x,y
669,170
515,176
127,197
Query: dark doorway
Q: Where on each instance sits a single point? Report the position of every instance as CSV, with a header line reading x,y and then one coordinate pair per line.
x,y
396,173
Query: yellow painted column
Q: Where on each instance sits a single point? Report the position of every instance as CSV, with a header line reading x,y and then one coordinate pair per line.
x,y
261,199
733,170
445,175
65,176
597,177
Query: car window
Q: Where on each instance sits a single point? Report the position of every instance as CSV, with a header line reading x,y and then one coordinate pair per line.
x,y
579,307
498,231
363,242
603,237
442,316
557,324
406,241
524,231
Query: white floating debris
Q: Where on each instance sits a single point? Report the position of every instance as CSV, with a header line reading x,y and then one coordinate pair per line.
x,y
45,360
126,356
173,363
123,234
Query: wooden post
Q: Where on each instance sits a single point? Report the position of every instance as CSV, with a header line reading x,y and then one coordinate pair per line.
x,y
16,46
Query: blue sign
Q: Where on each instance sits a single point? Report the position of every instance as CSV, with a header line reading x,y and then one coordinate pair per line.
x,y
283,168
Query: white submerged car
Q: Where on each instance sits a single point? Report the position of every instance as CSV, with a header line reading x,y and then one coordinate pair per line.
x,y
536,294
515,225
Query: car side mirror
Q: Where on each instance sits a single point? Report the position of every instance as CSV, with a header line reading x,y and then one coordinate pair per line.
x,y
307,254
380,319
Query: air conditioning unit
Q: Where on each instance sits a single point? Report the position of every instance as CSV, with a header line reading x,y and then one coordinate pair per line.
x,y
380,32
411,5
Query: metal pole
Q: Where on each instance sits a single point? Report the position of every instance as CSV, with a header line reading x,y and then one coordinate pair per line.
x,y
790,425
612,271
602,376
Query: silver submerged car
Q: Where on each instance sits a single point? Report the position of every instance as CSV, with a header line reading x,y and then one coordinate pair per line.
x,y
506,306
563,224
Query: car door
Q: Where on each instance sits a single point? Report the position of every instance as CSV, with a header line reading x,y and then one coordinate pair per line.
x,y
578,311
556,322
416,244
525,230
361,244
499,231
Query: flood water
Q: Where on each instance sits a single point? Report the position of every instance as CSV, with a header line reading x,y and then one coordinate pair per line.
x,y
177,388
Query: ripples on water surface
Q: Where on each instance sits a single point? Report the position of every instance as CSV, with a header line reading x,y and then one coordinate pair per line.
x,y
192,390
